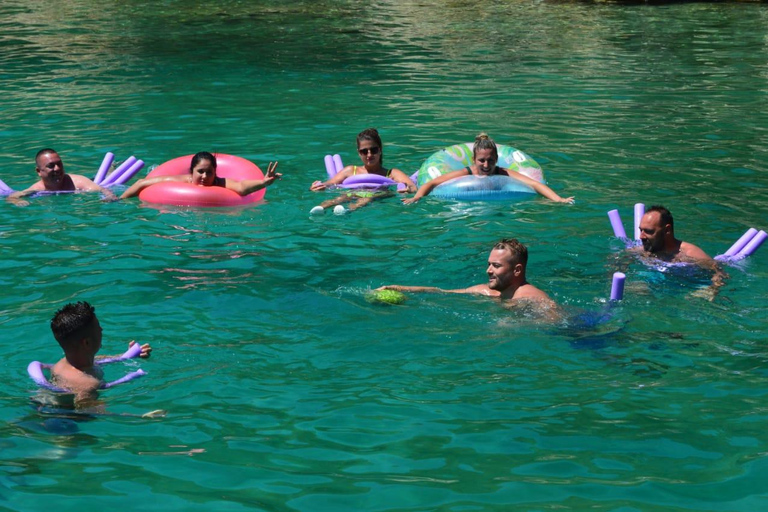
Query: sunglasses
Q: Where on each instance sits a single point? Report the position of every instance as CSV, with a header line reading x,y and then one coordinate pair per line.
x,y
374,150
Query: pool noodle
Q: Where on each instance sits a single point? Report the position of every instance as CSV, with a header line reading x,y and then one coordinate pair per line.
x,y
639,212
133,351
5,189
121,380
330,168
741,242
617,286
136,167
753,244
618,228
108,159
337,162
119,171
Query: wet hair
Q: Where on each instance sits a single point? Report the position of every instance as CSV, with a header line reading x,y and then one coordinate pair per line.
x,y
43,152
72,322
483,141
203,155
665,216
371,134
519,251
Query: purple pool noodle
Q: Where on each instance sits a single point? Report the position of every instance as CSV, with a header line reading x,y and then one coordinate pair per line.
x,y
104,167
370,179
617,286
337,163
639,212
35,370
753,244
136,167
330,168
415,177
124,379
133,351
741,242
5,189
618,228
119,171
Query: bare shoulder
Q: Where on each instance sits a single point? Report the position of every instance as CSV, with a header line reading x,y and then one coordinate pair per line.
x,y
692,252
530,292
479,289
65,376
82,183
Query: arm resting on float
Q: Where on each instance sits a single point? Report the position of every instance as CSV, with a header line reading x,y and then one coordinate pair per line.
x,y
140,185
426,188
337,179
540,188
400,177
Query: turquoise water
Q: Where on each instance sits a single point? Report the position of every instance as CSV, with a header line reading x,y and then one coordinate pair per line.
x,y
285,389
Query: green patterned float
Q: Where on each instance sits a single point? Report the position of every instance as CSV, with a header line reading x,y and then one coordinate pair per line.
x,y
459,156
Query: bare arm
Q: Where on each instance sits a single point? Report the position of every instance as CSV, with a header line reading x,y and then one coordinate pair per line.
x,y
479,289
140,185
246,187
426,188
337,178
400,177
17,197
540,188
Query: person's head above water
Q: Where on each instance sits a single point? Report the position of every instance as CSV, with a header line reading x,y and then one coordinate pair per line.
x,y
49,166
369,146
203,169
485,154
75,323
506,264
657,230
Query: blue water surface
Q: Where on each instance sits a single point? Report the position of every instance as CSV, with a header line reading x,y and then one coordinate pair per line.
x,y
285,388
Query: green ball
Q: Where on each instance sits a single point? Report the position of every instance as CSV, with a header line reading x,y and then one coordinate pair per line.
x,y
385,297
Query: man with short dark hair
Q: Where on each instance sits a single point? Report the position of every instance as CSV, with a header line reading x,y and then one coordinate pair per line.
x,y
657,234
50,169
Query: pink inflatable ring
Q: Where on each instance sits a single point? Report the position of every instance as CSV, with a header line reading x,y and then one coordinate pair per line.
x,y
176,193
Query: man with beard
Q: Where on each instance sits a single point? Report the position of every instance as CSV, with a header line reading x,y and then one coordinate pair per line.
x,y
657,234
50,169
506,276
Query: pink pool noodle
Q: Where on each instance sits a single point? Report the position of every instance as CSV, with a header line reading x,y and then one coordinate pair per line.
x,y
618,227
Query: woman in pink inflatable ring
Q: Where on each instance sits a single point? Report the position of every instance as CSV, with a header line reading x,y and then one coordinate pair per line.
x,y
202,172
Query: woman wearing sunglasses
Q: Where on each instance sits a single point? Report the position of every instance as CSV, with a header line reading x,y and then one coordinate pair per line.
x,y
369,148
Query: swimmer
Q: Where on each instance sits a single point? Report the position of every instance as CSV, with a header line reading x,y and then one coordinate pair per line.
x,y
50,169
79,333
485,155
506,279
370,149
657,234
202,172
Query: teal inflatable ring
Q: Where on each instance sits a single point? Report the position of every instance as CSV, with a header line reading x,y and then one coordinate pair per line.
x,y
459,156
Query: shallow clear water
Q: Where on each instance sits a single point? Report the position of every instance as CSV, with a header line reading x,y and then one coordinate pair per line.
x,y
285,389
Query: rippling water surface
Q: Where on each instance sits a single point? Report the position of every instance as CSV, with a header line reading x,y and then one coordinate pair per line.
x,y
286,389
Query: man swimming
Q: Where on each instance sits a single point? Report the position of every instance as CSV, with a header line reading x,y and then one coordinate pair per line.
x,y
506,277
